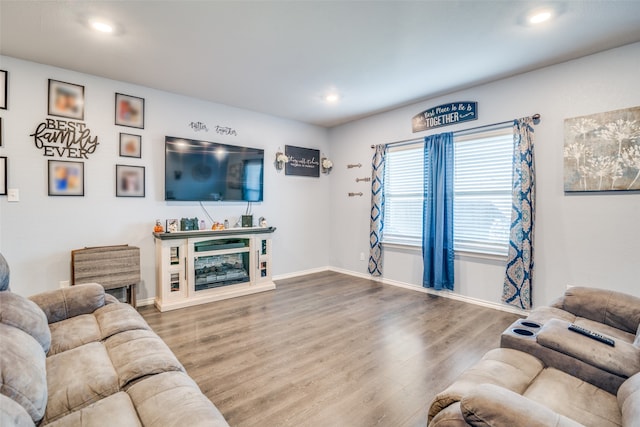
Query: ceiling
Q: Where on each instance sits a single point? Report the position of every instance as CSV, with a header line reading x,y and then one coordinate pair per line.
x,y
282,57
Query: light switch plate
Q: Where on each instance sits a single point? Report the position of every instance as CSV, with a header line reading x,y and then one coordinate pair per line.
x,y
13,195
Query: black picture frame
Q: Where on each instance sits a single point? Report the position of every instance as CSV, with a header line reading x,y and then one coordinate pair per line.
x,y
3,175
65,178
302,161
130,145
1,131
4,90
65,100
130,181
129,111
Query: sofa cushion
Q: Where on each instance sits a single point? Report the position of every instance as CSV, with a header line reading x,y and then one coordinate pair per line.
x,y
77,378
490,405
615,333
23,374
622,360
69,302
511,369
629,400
138,353
12,414
156,396
73,332
116,318
575,399
114,410
609,307
19,312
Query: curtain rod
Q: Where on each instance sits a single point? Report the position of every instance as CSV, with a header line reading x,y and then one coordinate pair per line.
x,y
535,117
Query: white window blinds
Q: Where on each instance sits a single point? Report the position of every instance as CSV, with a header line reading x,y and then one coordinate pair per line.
x,y
482,192
403,187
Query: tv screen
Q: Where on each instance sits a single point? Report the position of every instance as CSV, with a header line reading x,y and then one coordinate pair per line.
x,y
208,171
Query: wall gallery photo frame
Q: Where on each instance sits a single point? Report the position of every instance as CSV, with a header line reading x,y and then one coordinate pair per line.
x,y
66,178
129,181
4,84
130,145
129,111
3,176
66,100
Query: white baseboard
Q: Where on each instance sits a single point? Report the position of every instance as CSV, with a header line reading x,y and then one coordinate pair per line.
x,y
444,293
300,273
144,302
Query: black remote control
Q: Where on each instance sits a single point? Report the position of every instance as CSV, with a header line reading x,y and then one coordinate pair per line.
x,y
593,335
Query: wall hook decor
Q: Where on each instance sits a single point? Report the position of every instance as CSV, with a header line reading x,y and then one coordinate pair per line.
x,y
355,194
354,165
367,179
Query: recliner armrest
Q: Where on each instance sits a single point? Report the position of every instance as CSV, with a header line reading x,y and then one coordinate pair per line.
x,y
622,360
69,302
612,308
490,405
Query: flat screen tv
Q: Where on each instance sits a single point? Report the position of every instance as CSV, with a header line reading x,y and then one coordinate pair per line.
x,y
209,171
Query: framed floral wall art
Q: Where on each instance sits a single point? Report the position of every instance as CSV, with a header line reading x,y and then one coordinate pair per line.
x,y
602,151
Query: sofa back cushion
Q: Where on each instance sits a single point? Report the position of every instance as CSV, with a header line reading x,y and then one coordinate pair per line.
x,y
612,308
22,370
64,303
19,312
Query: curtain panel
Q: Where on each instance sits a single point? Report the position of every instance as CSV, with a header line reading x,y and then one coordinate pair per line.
x,y
519,272
376,224
437,213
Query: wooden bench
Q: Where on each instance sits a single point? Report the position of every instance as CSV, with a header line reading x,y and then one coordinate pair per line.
x,y
112,267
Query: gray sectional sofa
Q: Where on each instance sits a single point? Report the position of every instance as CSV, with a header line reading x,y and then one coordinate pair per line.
x,y
78,357
547,375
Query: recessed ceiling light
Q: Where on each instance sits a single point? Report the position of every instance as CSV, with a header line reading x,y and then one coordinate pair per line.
x,y
332,97
101,26
539,16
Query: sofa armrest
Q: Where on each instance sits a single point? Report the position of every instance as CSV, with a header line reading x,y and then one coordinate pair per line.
x,y
622,360
612,308
69,302
490,405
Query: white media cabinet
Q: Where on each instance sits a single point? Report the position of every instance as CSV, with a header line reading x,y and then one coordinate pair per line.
x,y
196,267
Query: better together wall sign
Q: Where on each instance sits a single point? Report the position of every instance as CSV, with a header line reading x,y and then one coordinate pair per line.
x,y
445,115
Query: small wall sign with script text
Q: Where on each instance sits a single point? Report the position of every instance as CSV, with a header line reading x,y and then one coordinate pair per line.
x,y
302,161
445,115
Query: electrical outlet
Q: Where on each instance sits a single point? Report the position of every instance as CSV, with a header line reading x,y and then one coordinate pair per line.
x,y
13,195
64,283
361,256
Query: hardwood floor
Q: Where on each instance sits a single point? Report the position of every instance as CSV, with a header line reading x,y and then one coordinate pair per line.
x,y
328,349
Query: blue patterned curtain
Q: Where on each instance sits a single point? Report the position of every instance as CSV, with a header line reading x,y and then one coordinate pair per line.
x,y
437,213
377,211
517,283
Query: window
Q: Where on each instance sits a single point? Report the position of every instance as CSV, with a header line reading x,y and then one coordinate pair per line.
x,y
482,192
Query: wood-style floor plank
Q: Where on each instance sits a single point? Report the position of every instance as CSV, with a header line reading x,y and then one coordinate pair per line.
x,y
328,349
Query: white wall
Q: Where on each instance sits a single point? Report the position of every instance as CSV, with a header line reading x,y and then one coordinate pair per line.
x,y
586,239
38,233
